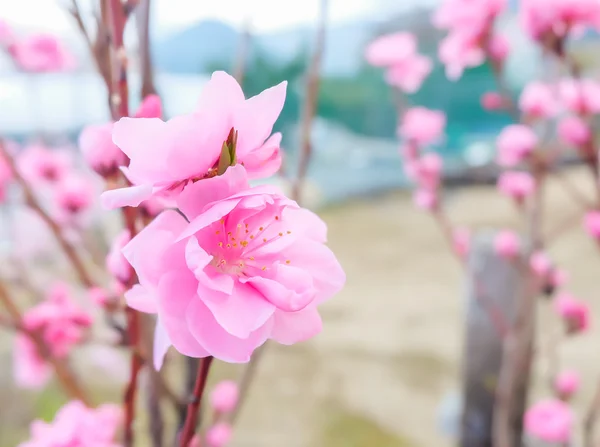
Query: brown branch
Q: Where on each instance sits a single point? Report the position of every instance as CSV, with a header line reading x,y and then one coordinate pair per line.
x,y
69,250
65,375
591,417
310,104
191,419
142,19
120,94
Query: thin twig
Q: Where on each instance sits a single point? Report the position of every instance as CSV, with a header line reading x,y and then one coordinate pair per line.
x,y
142,19
591,417
189,428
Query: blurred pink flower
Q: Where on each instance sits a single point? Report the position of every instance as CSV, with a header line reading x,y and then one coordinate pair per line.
x,y
426,199
41,53
591,223
168,156
574,131
391,49
99,151
549,420
544,18
575,313
409,75
427,170
515,143
37,163
30,370
507,244
499,47
461,239
116,264
6,34
224,396
151,107
249,266
460,50
567,383
467,14
422,126
582,97
98,296
540,264
77,425
219,435
538,100
516,185
492,101
74,195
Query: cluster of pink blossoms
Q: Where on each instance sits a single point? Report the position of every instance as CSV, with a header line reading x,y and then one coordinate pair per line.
x,y
470,36
60,323
76,425
237,265
397,53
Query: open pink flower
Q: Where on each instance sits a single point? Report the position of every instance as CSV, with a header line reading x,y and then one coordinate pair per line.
x,y
74,195
224,397
458,51
77,425
547,18
422,126
580,96
507,244
168,156
99,151
567,383
391,49
515,143
516,185
116,264
591,223
409,75
219,435
249,266
574,131
575,313
537,100
550,420
39,164
492,101
41,53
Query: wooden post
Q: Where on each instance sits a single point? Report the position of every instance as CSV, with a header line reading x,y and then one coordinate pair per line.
x,y
494,286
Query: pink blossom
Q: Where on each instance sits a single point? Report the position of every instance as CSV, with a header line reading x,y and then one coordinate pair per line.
x,y
422,126
73,195
544,18
168,156
515,143
591,223
426,199
99,151
151,107
77,425
549,420
567,383
249,266
427,170
574,131
582,97
116,264
516,185
41,53
499,47
540,264
461,239
98,296
506,244
409,75
467,14
538,100
460,50
39,164
391,49
30,370
6,34
219,435
224,396
492,101
574,313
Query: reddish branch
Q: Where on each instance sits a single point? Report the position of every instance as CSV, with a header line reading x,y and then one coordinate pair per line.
x,y
189,427
310,104
143,25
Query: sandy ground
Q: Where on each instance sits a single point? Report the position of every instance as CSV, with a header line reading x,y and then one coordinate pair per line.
x,y
391,344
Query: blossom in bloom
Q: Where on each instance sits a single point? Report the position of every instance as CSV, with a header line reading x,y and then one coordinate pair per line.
x,y
516,185
249,266
460,50
219,435
580,96
461,240
41,53
549,420
426,199
99,151
499,47
556,18
515,143
151,107
574,313
567,383
574,131
165,157
391,49
39,164
224,396
537,100
77,425
492,101
60,323
73,196
591,223
409,75
506,244
116,264
540,264
422,126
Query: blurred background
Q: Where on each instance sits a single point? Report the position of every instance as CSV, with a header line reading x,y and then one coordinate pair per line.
x,y
386,369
